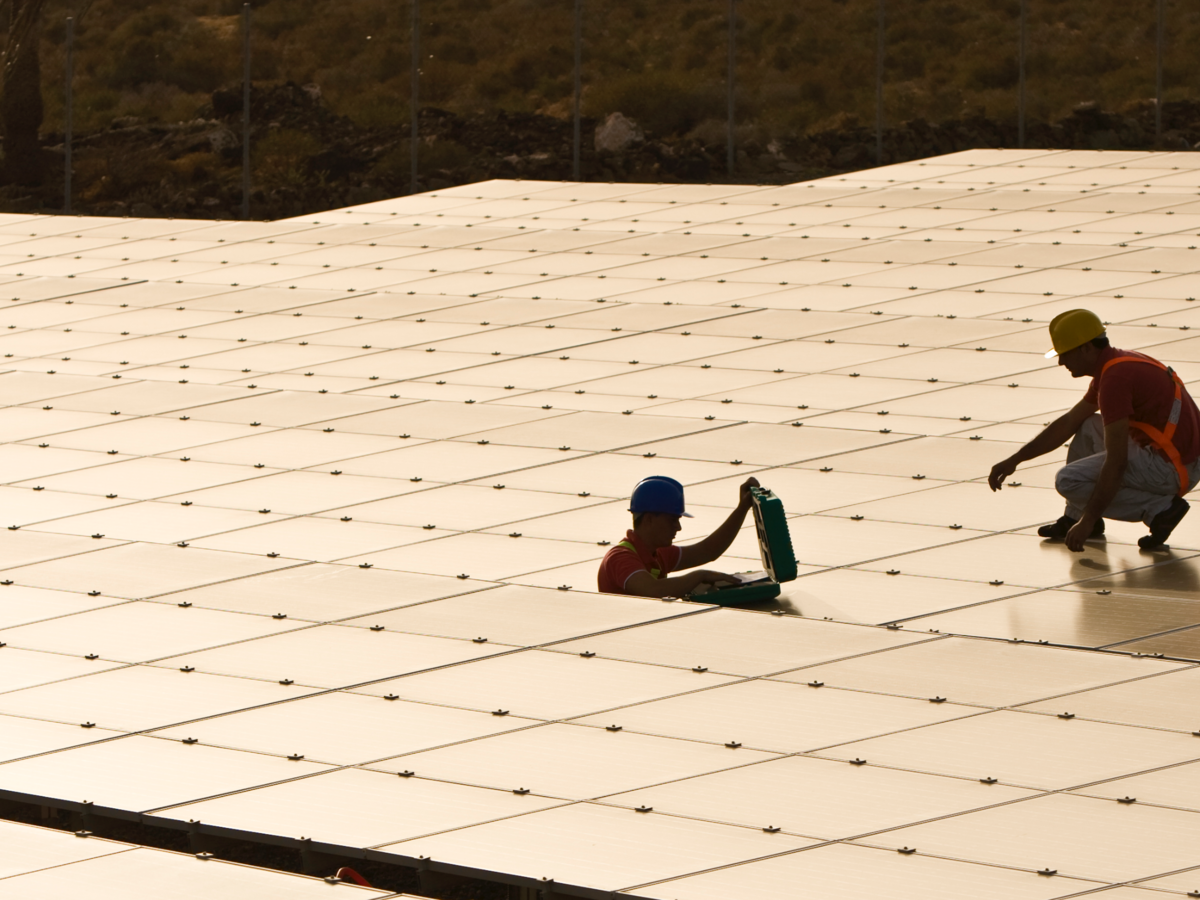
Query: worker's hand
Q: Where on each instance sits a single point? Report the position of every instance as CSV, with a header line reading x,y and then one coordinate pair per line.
x,y
744,500
708,576
1080,532
1000,471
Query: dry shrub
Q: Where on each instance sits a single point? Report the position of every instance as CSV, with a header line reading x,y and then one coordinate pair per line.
x,y
283,159
195,166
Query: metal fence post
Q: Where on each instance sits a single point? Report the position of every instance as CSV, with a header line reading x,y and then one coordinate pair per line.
x,y
414,126
729,148
69,115
1021,78
245,110
879,46
578,85
1158,72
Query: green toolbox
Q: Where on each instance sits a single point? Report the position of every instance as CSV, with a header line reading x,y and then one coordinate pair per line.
x,y
775,546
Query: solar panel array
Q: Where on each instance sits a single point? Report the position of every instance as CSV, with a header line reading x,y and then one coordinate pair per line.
x,y
44,863
304,520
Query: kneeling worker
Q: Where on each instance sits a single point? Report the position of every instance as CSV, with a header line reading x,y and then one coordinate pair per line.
x,y
642,563
1132,461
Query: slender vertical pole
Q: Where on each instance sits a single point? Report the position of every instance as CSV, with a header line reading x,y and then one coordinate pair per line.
x,y
69,124
730,82
414,101
1158,93
578,85
245,110
1021,77
879,44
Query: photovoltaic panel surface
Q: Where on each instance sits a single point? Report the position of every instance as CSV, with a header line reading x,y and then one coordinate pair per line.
x,y
314,555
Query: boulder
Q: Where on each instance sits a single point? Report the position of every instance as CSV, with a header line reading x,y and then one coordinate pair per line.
x,y
617,134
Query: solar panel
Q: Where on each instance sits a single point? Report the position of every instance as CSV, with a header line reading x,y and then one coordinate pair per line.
x,y
304,531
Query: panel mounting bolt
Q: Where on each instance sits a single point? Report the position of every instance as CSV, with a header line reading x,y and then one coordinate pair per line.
x,y
479,640
186,669
996,582
185,604
893,571
190,740
988,780
699,669
937,699
377,628
296,757
1127,799
499,712
733,745
1047,872
93,593
521,791
365,565
1066,715
87,724
644,809
286,681
391,697
816,684
279,616
587,654
858,762
907,851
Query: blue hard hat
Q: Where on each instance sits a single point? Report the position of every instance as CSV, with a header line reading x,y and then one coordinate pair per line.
x,y
658,494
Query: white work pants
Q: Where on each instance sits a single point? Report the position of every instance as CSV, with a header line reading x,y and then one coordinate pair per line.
x,y
1147,489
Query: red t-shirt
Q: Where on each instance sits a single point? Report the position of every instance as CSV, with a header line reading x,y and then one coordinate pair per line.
x,y
624,560
1144,393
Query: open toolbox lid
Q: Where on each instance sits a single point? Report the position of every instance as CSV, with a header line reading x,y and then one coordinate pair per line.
x,y
774,540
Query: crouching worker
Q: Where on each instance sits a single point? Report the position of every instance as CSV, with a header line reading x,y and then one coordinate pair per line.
x,y
642,563
1134,459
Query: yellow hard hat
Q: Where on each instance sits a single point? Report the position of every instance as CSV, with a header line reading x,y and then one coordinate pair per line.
x,y
1072,329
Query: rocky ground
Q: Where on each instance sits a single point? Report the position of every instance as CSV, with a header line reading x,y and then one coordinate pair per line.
x,y
306,158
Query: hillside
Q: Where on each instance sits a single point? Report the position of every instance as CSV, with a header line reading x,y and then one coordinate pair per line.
x,y
805,73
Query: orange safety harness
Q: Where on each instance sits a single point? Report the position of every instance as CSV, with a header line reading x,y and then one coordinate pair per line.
x,y
1161,439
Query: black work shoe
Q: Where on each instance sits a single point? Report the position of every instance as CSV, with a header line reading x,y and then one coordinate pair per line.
x,y
1057,531
1163,524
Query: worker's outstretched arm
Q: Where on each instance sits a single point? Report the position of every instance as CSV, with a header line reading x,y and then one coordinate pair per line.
x,y
1052,436
1116,459
718,542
